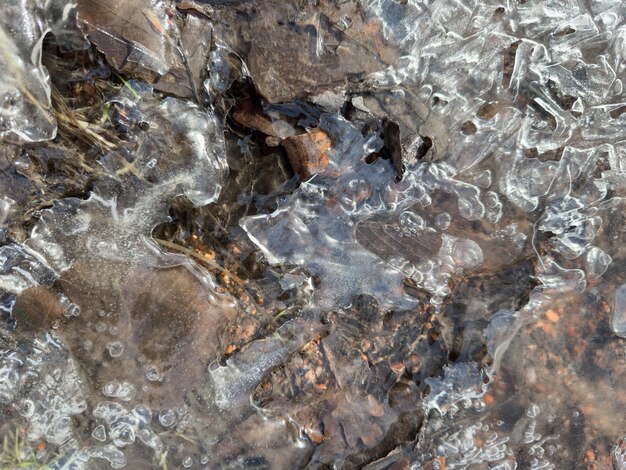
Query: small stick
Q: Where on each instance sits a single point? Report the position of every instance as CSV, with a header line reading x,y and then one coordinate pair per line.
x,y
213,264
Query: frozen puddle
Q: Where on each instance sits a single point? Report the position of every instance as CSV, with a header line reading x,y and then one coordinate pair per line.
x,y
444,289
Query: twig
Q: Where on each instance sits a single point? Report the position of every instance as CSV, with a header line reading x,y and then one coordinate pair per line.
x,y
213,264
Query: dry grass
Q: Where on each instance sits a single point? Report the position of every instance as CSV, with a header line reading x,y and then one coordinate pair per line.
x,y
16,453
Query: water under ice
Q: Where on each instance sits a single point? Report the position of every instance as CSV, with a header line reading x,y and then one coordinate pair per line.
x,y
464,307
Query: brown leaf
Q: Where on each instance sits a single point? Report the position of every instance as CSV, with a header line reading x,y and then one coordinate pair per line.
x,y
391,137
307,152
354,416
263,124
288,58
185,77
149,41
372,436
165,315
313,432
127,31
387,241
36,308
375,407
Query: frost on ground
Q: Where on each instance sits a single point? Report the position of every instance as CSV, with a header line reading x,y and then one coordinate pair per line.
x,y
455,247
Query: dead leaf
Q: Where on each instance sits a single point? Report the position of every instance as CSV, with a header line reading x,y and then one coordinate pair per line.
x,y
149,41
186,76
307,152
391,137
128,33
263,124
353,415
165,315
313,432
386,240
372,436
36,308
375,407
294,49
